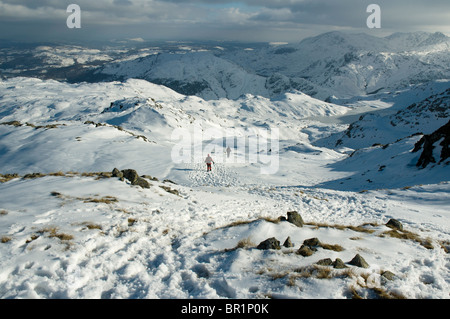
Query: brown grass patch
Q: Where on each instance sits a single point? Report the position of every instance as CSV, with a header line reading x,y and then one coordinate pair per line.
x,y
104,199
407,235
131,221
7,177
332,247
53,233
361,228
5,239
92,226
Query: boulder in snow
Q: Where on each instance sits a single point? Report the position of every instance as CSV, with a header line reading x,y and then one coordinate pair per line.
x,y
359,261
270,243
295,218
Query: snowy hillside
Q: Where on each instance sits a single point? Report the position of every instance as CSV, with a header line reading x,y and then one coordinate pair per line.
x,y
336,184
74,223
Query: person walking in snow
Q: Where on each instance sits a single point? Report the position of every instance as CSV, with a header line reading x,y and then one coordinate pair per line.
x,y
208,162
228,151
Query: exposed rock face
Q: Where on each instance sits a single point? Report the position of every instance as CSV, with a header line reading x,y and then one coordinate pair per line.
x,y
132,176
428,142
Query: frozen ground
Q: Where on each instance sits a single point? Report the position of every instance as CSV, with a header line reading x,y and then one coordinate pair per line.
x,y
72,232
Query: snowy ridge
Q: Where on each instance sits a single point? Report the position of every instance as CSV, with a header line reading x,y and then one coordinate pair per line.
x,y
71,228
332,64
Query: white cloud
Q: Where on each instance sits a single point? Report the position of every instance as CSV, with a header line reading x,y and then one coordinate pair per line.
x,y
268,20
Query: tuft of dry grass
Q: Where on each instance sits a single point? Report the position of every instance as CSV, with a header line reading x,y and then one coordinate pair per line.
x,y
131,221
7,177
407,235
92,226
53,233
332,247
32,238
243,243
104,199
5,239
361,228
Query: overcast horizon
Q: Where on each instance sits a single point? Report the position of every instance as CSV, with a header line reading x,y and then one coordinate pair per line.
x,y
214,20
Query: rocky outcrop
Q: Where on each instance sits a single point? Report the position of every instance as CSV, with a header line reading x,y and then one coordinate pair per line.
x,y
429,142
270,243
132,176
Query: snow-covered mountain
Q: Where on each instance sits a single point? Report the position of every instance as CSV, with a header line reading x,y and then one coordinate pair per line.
x,y
367,173
332,64
345,65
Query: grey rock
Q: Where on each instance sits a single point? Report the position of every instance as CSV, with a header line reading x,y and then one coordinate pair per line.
x,y
395,224
339,264
358,261
305,251
295,218
325,262
270,243
288,243
117,173
130,174
135,179
142,182
388,275
311,242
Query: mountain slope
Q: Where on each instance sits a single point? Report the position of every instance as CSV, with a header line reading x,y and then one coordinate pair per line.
x,y
346,65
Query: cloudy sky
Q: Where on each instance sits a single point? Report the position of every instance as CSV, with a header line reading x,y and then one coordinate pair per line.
x,y
247,20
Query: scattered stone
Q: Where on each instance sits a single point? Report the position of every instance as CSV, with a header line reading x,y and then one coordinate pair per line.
x,y
270,243
130,174
288,243
339,264
117,173
388,275
358,261
311,242
295,218
134,178
306,251
142,182
325,262
394,223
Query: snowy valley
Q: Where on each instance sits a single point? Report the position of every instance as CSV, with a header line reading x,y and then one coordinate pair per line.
x,y
358,206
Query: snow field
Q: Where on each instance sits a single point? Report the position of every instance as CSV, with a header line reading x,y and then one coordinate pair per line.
x,y
84,235
138,246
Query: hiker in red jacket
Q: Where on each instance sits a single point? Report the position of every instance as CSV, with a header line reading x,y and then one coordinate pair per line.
x,y
208,162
